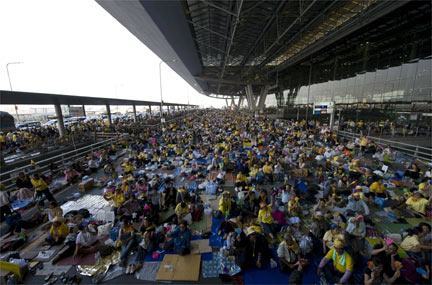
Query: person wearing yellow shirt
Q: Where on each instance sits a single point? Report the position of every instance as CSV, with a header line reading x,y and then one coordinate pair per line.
x,y
181,210
417,203
330,237
241,180
268,172
58,232
341,268
41,189
224,205
379,189
129,168
117,199
265,218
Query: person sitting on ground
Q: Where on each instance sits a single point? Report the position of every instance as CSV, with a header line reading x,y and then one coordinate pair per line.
x,y
341,268
58,232
117,198
147,245
228,226
266,221
374,273
169,197
54,210
126,240
330,237
250,205
241,180
181,211
294,208
86,240
181,238
378,189
413,246
260,249
71,175
387,251
131,208
224,205
70,244
288,253
356,205
268,172
417,203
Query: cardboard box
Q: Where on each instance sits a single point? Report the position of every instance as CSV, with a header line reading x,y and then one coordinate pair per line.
x,y
180,268
86,184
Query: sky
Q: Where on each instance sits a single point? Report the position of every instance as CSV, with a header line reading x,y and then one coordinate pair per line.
x,y
75,47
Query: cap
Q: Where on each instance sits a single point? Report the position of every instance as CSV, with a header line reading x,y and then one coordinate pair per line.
x,y
339,244
250,231
319,213
334,226
359,218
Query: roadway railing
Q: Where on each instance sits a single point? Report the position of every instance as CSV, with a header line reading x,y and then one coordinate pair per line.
x,y
414,151
8,178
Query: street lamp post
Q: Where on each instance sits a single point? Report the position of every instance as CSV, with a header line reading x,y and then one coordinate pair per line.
x,y
160,84
10,85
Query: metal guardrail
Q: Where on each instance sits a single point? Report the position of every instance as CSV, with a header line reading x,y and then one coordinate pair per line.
x,y
414,151
69,156
62,158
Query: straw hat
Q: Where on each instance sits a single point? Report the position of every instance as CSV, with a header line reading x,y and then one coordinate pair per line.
x,y
339,244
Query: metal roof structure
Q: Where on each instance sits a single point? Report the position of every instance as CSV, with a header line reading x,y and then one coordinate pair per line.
x,y
219,47
31,98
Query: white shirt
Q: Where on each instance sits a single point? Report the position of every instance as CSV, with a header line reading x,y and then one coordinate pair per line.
x,y
86,239
284,252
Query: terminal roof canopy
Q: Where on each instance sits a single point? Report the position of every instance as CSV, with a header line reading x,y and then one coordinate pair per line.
x,y
221,46
31,98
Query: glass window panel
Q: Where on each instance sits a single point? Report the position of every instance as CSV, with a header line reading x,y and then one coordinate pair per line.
x,y
408,70
370,77
360,79
424,67
381,75
394,73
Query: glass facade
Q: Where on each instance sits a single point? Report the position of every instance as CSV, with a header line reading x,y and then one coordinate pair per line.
x,y
409,82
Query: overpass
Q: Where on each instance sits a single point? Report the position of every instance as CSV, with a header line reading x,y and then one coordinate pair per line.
x,y
32,98
245,49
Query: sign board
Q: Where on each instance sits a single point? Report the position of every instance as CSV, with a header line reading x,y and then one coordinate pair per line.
x,y
323,108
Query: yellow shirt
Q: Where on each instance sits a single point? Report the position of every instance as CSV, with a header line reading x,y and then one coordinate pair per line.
x,y
267,169
379,189
410,243
179,210
264,215
241,178
419,205
349,265
224,205
129,168
61,231
118,200
39,184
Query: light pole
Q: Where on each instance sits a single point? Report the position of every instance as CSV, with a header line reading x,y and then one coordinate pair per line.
x,y
10,85
160,83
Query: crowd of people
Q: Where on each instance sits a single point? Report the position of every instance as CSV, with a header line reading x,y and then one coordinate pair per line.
x,y
297,188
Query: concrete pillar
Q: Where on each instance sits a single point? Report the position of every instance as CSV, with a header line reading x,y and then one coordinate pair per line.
x,y
240,101
332,118
134,113
84,112
109,114
226,101
263,96
60,122
150,109
232,102
250,97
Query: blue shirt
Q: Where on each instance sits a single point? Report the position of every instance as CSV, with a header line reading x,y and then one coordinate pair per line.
x,y
182,239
